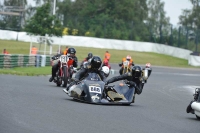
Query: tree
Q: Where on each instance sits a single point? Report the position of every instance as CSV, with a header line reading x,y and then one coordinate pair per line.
x,y
106,18
43,22
157,19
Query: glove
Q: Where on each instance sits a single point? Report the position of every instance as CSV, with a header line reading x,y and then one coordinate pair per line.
x,y
53,58
131,83
126,82
74,68
120,64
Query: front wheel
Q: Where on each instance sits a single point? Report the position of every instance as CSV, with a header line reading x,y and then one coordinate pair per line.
x,y
58,79
125,70
65,76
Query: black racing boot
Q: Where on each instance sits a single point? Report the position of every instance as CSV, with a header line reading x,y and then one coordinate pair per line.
x,y
189,108
51,79
133,101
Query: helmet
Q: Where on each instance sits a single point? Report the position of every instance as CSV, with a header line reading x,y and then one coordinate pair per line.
x,y
90,55
148,65
96,62
136,71
71,51
128,57
106,71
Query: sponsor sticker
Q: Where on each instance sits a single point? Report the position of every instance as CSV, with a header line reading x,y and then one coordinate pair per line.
x,y
95,97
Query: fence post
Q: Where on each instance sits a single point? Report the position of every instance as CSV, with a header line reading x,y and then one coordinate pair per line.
x,y
37,60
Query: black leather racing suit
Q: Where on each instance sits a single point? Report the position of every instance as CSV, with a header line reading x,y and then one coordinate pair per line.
x,y
132,81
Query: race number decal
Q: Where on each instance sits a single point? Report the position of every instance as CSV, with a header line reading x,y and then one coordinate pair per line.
x,y
95,89
126,63
63,58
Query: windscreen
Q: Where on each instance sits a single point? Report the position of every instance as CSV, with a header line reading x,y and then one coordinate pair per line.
x,y
93,77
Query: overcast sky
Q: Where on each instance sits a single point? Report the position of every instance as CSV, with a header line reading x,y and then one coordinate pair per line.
x,y
173,8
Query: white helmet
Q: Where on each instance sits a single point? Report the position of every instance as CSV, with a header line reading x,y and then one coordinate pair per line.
x,y
106,70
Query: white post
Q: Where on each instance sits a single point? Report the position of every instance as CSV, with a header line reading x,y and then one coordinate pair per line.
x,y
30,46
59,49
45,44
50,52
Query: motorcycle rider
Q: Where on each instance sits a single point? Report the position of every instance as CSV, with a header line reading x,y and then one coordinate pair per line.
x,y
134,79
106,71
94,65
128,58
90,55
71,53
196,99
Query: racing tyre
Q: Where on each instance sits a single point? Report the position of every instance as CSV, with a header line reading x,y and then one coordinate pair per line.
x,y
59,81
65,77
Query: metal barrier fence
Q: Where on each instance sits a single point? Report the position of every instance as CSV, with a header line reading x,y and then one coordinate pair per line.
x,y
11,61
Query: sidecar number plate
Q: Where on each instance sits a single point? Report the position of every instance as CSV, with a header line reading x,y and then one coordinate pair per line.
x,y
95,89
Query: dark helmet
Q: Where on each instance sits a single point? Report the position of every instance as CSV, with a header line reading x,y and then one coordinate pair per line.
x,y
96,62
90,55
136,71
71,51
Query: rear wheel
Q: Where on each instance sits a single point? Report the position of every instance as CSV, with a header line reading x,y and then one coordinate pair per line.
x,y
65,76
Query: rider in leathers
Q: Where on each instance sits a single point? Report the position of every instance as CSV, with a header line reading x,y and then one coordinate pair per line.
x,y
90,55
93,66
71,53
133,78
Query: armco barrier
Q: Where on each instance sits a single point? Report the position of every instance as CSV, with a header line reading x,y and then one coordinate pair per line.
x,y
11,61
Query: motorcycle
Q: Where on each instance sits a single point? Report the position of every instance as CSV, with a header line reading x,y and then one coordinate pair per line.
x,y
126,67
194,106
65,71
93,90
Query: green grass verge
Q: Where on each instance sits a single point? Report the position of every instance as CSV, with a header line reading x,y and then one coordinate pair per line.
x,y
29,71
18,47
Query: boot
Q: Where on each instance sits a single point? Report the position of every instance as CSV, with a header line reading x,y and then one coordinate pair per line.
x,y
51,79
189,108
133,101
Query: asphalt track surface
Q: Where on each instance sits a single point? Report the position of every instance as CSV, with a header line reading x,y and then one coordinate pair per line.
x,y
33,105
